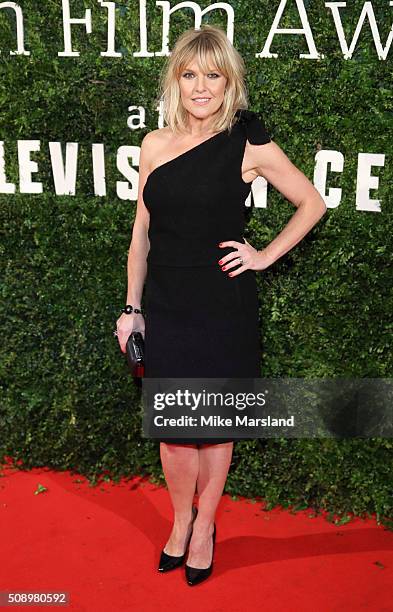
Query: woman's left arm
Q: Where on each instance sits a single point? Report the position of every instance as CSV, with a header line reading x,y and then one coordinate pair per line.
x,y
270,161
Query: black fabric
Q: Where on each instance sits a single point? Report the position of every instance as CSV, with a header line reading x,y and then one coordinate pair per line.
x,y
199,322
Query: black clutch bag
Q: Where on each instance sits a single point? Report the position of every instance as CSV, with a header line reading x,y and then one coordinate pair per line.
x,y
135,351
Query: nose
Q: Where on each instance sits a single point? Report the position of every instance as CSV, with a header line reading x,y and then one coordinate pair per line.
x,y
201,87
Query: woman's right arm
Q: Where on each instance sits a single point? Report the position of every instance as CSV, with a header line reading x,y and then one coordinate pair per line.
x,y
137,254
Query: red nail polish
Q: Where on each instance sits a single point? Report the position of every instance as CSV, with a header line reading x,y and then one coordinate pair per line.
x,y
220,262
220,243
223,268
230,274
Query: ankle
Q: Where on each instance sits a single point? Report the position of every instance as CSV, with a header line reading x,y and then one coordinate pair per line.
x,y
204,526
183,519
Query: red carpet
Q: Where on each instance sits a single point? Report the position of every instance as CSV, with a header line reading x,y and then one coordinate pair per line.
x,y
102,545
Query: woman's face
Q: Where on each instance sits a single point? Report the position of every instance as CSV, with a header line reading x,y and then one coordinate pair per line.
x,y
201,93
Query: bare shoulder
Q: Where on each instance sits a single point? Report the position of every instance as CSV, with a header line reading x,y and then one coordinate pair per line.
x,y
154,137
153,143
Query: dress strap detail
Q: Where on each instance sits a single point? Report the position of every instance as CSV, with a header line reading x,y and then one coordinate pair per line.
x,y
254,126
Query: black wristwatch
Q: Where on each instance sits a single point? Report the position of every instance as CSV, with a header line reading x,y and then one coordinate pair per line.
x,y
130,309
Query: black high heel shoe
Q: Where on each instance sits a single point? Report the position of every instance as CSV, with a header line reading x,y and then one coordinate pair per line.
x,y
195,575
170,562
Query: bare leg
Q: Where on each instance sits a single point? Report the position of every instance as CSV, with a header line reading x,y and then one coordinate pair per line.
x,y
214,463
180,465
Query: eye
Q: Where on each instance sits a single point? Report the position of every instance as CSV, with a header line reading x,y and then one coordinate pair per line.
x,y
214,74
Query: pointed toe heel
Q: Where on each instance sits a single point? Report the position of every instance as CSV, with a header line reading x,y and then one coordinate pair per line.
x,y
195,575
170,562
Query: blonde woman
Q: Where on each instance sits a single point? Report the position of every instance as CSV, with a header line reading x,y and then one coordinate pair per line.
x,y
201,317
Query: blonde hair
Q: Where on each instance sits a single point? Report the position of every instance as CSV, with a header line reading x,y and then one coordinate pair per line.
x,y
207,44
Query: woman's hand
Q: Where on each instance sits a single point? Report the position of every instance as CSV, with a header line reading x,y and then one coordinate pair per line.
x,y
128,323
251,258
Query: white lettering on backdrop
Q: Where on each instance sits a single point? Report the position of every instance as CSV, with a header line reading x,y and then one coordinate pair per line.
x,y
65,173
367,13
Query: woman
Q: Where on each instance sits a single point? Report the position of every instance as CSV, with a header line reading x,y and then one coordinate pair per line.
x,y
187,242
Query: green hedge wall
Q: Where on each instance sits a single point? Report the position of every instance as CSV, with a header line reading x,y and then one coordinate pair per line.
x,y
67,399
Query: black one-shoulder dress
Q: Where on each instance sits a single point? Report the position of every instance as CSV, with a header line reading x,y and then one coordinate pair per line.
x,y
199,322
